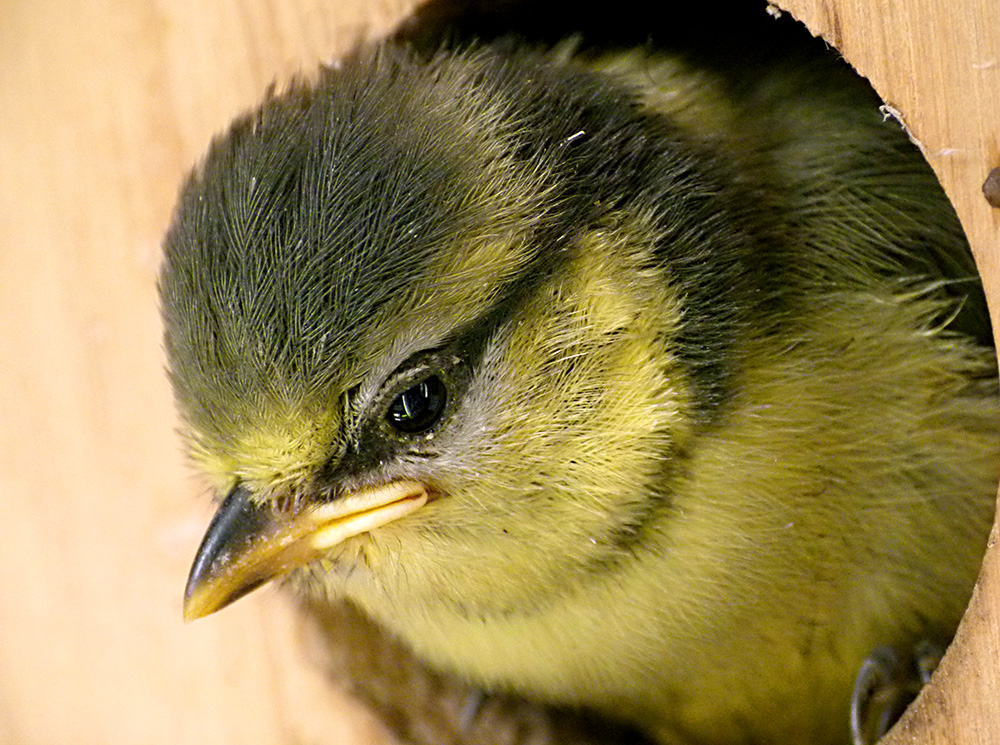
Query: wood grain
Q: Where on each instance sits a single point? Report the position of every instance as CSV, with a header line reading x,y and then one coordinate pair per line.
x,y
104,104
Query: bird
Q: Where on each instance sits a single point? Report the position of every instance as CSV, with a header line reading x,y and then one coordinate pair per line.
x,y
600,376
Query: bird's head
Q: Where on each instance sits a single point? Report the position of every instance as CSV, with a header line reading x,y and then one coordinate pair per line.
x,y
419,335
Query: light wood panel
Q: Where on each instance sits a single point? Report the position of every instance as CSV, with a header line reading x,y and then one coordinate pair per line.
x,y
104,104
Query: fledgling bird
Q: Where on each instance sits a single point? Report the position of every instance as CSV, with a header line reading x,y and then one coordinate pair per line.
x,y
601,378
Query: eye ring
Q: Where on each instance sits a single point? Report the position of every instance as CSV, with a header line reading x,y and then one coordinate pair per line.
x,y
419,407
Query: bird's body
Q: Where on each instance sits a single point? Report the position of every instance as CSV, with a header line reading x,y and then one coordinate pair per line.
x,y
675,364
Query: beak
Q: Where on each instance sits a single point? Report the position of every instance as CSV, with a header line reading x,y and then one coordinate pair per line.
x,y
248,544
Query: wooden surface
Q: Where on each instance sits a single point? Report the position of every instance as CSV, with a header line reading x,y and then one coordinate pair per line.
x,y
104,104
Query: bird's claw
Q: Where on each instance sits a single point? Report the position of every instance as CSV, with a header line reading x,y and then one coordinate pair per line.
x,y
885,686
471,709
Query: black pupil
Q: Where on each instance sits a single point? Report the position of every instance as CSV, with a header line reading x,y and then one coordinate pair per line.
x,y
416,409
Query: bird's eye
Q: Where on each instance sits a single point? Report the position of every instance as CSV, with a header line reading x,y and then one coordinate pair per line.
x,y
419,407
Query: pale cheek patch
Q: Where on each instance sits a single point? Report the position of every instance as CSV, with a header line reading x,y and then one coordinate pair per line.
x,y
596,388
